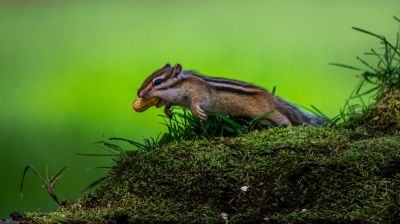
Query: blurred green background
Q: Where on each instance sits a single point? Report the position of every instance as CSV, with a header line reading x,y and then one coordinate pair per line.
x,y
69,70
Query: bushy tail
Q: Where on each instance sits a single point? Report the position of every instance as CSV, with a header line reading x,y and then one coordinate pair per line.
x,y
296,116
315,120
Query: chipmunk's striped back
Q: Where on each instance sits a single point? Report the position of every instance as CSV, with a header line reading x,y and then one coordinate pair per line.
x,y
229,85
209,95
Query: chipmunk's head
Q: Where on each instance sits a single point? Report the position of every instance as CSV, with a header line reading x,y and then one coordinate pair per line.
x,y
160,83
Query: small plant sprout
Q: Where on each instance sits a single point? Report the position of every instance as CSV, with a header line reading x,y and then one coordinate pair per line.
x,y
48,183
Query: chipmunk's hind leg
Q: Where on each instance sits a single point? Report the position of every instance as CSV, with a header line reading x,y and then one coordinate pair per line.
x,y
273,117
278,119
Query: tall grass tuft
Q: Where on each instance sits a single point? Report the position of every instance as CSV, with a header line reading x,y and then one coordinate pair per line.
x,y
377,79
183,125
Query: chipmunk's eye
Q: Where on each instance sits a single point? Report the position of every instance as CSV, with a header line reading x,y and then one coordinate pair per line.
x,y
157,82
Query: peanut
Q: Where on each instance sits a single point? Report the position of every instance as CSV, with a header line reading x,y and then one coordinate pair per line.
x,y
141,104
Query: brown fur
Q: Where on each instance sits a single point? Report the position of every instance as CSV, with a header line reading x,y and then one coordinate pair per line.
x,y
206,95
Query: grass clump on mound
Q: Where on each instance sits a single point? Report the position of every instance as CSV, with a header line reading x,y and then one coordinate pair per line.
x,y
280,175
382,116
379,81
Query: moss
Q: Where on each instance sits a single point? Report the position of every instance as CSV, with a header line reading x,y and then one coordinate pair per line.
x,y
383,116
296,175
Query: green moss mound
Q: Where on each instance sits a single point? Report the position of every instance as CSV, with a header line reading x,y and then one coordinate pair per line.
x,y
280,175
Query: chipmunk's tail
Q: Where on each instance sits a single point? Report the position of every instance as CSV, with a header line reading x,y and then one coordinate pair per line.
x,y
296,116
315,120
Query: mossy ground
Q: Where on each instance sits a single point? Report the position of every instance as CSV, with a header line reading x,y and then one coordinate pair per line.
x,y
293,175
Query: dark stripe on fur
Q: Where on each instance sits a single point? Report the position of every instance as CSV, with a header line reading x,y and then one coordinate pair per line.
x,y
177,82
148,80
234,90
225,81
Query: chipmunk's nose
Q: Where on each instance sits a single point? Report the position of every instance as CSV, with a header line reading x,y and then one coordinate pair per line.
x,y
143,94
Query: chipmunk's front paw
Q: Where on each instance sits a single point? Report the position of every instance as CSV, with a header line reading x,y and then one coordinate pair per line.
x,y
199,113
167,111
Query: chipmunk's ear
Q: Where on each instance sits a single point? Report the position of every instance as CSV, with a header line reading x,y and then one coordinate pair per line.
x,y
177,70
167,65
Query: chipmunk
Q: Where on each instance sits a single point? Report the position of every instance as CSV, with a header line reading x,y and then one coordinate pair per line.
x,y
206,96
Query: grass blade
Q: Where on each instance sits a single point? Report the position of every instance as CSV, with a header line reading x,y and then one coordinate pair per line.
x,y
111,146
89,154
365,93
318,112
94,184
369,33
26,169
134,143
346,66
53,180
